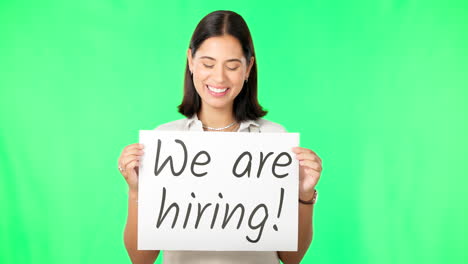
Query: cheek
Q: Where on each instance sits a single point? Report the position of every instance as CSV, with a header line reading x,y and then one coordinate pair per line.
x,y
236,78
201,73
199,77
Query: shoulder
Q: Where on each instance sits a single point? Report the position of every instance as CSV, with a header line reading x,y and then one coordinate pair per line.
x,y
269,126
173,125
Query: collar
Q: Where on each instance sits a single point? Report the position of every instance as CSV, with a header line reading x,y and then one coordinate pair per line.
x,y
193,123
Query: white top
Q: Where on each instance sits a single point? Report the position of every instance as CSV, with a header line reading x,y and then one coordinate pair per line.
x,y
220,257
194,124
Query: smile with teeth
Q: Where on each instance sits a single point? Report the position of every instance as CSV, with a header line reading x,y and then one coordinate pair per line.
x,y
216,90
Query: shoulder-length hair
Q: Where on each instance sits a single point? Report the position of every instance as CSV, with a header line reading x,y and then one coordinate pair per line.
x,y
219,23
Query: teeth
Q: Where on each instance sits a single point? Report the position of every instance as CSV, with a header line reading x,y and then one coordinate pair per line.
x,y
216,90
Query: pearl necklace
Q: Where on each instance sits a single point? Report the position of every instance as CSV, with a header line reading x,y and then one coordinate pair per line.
x,y
221,128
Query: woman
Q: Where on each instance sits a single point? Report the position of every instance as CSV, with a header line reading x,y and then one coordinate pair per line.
x,y
220,95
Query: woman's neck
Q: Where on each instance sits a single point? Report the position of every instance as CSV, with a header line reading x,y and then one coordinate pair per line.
x,y
216,118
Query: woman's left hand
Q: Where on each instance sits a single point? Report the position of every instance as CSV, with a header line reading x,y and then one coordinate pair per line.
x,y
310,168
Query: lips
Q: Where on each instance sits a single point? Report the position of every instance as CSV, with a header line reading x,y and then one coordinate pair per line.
x,y
217,91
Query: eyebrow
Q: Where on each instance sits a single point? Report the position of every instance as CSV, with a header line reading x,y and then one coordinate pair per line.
x,y
208,57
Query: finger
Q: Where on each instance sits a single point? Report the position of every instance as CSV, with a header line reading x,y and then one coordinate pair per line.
x,y
124,157
129,172
132,147
318,157
313,173
307,156
133,152
129,148
298,150
301,149
130,166
311,165
129,159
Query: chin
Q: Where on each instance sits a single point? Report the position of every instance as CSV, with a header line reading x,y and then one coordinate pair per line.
x,y
217,104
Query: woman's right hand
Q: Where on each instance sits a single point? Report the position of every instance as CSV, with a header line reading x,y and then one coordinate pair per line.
x,y
129,162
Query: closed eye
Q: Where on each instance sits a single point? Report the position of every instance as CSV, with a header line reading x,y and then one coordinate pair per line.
x,y
208,66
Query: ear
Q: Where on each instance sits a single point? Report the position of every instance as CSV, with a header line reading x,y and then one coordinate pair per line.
x,y
251,63
189,58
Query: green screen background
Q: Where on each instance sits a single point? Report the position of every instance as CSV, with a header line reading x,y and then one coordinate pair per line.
x,y
377,88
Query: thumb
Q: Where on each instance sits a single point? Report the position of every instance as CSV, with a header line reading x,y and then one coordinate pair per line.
x,y
135,171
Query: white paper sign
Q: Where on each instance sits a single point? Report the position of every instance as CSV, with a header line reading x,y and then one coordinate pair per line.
x,y
218,191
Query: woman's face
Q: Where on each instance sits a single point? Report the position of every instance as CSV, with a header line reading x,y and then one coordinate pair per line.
x,y
219,70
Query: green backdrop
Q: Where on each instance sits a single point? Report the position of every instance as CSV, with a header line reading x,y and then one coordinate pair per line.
x,y
377,88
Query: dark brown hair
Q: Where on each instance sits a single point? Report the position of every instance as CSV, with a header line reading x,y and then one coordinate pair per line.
x,y
219,23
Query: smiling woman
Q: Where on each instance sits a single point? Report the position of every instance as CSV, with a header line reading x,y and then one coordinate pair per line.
x,y
220,95
221,62
219,77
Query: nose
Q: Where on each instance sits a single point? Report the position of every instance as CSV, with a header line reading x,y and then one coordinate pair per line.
x,y
218,74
